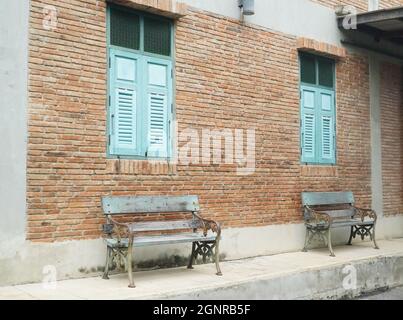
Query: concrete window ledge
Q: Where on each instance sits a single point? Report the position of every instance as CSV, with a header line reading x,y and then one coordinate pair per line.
x,y
140,167
321,48
168,8
319,171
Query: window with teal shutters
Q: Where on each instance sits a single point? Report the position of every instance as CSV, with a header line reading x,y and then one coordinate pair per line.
x,y
124,103
308,132
327,134
140,89
318,112
158,98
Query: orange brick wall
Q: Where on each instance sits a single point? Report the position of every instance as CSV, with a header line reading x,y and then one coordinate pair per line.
x,y
385,4
392,138
361,5
227,76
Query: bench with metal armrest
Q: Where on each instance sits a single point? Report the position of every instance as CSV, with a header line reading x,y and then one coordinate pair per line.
x,y
324,211
122,237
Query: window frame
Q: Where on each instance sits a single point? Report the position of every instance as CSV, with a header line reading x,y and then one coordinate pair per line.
x,y
141,52
316,87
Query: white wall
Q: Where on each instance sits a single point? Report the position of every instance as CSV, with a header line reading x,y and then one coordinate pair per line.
x,y
13,123
302,18
295,17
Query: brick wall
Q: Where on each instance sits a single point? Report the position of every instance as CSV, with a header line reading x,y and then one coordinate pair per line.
x,y
392,138
385,4
227,76
361,5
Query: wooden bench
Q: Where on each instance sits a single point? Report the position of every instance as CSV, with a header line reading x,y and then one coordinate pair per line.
x,y
121,237
324,211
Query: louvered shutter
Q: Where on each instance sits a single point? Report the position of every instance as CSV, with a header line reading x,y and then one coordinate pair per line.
x,y
158,105
308,125
124,97
327,132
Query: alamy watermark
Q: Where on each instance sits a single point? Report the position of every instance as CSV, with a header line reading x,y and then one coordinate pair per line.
x,y
225,146
49,20
350,17
350,280
49,280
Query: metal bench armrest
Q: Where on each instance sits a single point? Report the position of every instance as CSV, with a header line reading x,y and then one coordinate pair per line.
x,y
208,225
115,229
318,217
362,213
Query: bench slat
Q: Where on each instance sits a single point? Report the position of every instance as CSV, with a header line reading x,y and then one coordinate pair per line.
x,y
326,198
149,204
344,223
340,213
162,239
351,222
164,225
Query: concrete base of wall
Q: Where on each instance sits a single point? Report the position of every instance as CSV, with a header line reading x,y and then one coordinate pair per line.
x,y
356,270
29,262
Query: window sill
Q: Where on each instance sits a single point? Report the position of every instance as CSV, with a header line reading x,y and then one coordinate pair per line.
x,y
140,167
319,171
321,48
164,8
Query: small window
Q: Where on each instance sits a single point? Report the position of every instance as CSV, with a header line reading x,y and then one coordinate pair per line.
x,y
317,70
124,29
143,32
326,73
308,69
157,36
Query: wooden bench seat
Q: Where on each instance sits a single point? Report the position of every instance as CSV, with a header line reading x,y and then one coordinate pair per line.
x,y
122,237
160,239
324,211
339,223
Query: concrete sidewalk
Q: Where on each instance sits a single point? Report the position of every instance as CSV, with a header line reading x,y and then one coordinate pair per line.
x,y
294,275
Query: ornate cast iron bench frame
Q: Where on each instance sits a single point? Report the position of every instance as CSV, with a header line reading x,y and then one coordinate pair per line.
x,y
122,237
324,211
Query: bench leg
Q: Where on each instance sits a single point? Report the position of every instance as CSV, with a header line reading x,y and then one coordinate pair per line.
x,y
373,237
329,243
107,263
192,256
351,236
130,263
217,257
307,238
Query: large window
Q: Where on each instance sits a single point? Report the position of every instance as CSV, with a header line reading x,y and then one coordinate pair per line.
x,y
140,84
318,114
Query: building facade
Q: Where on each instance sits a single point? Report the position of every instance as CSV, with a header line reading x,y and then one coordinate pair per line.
x,y
118,97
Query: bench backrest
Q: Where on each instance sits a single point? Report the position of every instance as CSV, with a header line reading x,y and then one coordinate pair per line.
x,y
132,205
336,204
149,204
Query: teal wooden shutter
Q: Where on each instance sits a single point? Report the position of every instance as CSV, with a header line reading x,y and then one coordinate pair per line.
x,y
308,127
158,106
124,97
327,129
